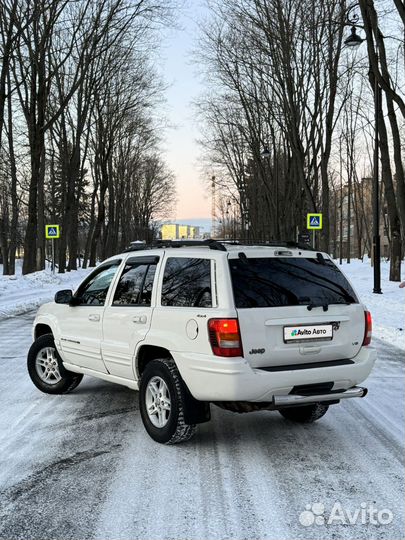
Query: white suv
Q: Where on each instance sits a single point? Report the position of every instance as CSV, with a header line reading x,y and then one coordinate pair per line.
x,y
244,327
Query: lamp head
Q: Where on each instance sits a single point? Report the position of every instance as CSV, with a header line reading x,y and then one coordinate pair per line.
x,y
354,40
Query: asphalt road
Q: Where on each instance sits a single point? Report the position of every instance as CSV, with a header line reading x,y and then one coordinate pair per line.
x,y
81,466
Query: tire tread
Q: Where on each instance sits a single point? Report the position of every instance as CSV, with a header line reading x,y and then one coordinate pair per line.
x,y
184,431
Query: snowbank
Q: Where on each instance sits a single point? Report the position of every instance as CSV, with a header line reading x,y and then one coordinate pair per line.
x,y
20,294
387,309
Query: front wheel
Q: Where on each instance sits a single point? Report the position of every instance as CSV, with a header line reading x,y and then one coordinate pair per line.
x,y
46,369
305,414
161,402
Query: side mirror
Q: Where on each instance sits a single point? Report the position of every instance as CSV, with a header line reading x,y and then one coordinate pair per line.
x,y
64,297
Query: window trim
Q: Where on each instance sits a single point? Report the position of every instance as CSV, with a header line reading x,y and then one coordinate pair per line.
x,y
214,288
148,261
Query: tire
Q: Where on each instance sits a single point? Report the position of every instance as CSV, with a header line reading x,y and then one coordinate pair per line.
x,y
162,390
305,414
46,369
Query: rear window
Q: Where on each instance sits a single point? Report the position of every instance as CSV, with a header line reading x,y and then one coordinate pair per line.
x,y
272,282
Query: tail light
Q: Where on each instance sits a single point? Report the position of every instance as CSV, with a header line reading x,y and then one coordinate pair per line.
x,y
368,328
225,337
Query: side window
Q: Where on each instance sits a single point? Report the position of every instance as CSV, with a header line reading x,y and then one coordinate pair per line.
x,y
135,285
94,291
187,283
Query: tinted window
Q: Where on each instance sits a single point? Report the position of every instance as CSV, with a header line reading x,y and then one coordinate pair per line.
x,y
187,282
94,291
271,282
135,285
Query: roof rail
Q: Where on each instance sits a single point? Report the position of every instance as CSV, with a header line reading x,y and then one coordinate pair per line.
x,y
218,245
270,243
209,242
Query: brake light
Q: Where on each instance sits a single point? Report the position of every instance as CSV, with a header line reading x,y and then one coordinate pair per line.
x,y
368,328
224,335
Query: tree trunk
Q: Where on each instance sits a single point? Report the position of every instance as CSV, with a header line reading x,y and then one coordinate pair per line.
x,y
41,214
393,216
30,240
13,178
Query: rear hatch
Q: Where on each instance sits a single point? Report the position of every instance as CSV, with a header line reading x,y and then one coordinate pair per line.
x,y
296,308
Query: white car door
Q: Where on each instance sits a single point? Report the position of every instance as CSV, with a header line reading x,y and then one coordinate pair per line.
x,y
81,323
128,316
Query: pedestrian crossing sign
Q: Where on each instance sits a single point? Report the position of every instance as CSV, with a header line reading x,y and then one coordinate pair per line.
x,y
314,221
52,231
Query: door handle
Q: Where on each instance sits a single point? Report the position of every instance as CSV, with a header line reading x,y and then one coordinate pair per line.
x,y
94,317
140,319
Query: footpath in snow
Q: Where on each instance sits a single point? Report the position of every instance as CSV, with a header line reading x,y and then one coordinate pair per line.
x,y
387,309
20,294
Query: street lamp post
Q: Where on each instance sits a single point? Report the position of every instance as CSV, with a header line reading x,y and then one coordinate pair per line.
x,y
376,196
354,40
229,222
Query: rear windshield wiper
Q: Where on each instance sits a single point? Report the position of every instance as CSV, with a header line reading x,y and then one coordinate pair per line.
x,y
310,305
323,305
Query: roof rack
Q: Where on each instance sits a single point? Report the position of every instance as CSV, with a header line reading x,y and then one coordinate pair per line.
x,y
209,242
269,243
287,244
218,245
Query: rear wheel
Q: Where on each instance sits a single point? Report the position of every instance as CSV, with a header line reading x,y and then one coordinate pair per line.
x,y
305,414
46,369
162,403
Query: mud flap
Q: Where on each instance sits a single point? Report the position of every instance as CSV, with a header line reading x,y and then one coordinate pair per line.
x,y
195,412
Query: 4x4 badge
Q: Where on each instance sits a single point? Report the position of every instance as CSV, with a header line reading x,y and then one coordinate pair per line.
x,y
257,351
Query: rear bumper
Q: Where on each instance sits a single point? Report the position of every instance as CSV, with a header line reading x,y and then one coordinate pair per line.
x,y
293,400
211,378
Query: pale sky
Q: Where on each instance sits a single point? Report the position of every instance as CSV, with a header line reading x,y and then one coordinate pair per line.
x,y
185,85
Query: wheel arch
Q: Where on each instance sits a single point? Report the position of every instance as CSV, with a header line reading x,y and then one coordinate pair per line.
x,y
41,329
45,324
147,353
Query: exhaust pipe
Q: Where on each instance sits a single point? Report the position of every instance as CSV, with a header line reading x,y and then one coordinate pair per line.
x,y
295,399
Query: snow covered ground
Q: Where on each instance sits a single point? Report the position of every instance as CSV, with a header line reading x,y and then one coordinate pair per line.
x,y
20,294
81,466
387,309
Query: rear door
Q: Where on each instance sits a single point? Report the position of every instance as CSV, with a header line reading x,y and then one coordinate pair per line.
x,y
187,301
295,309
127,319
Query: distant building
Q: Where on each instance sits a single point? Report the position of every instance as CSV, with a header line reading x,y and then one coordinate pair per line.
x,y
174,231
359,226
184,231
170,231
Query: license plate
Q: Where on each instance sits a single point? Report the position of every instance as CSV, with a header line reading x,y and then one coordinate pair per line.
x,y
309,332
